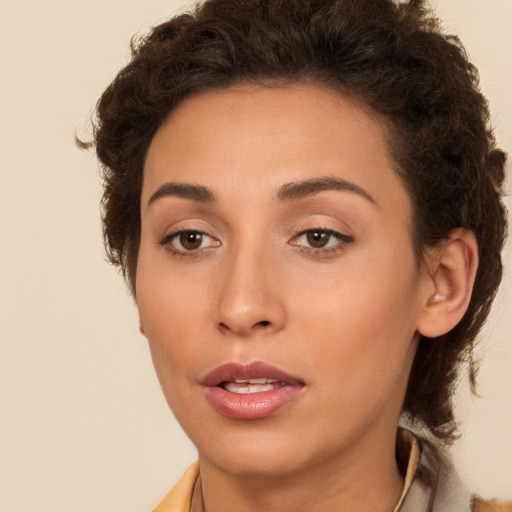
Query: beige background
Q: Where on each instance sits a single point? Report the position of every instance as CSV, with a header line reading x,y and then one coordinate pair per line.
x,y
83,423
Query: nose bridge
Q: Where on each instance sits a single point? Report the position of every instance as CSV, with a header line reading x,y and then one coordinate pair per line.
x,y
249,298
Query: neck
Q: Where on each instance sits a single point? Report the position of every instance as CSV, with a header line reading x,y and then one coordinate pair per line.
x,y
363,477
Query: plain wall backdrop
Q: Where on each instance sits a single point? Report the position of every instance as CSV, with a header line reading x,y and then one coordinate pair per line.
x,y
84,426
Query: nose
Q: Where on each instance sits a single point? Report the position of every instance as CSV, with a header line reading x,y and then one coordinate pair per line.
x,y
250,300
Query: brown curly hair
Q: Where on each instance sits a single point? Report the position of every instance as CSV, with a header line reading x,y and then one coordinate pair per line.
x,y
391,56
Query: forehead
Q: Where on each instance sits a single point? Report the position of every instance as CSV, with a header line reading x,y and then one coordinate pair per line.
x,y
257,138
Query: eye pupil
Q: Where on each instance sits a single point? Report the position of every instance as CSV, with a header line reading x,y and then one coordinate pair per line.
x,y
191,240
317,238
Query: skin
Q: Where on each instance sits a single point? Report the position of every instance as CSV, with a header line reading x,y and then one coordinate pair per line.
x,y
343,318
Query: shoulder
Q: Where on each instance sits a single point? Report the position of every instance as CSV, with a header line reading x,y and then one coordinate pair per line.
x,y
453,496
441,488
480,505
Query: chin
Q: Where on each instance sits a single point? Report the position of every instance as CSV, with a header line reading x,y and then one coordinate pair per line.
x,y
258,453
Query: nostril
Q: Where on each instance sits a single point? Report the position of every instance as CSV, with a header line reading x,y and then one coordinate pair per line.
x,y
245,330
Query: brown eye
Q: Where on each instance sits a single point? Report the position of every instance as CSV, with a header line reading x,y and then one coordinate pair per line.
x,y
321,242
191,240
318,239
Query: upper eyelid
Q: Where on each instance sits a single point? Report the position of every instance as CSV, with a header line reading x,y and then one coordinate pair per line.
x,y
297,233
177,218
334,232
191,225
323,229
173,234
340,237
303,226
327,221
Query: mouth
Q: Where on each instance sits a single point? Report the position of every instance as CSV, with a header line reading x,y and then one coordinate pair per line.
x,y
249,392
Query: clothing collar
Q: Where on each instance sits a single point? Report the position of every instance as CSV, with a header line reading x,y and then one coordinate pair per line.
x,y
422,473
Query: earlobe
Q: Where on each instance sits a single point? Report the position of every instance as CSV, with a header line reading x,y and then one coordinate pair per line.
x,y
141,327
452,270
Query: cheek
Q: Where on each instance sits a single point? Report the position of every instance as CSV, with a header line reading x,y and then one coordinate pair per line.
x,y
169,298
170,326
359,328
171,346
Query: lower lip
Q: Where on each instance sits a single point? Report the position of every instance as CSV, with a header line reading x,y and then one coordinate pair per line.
x,y
254,406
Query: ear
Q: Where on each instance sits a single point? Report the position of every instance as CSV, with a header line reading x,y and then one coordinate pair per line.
x,y
451,273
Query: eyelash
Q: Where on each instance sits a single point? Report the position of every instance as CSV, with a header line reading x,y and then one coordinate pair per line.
x,y
323,252
167,240
319,252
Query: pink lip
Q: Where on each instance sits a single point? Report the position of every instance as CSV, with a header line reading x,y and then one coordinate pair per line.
x,y
250,406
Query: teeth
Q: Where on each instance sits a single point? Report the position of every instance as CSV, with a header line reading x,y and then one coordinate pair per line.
x,y
248,386
254,381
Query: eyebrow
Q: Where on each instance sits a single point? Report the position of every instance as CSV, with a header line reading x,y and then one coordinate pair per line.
x,y
288,192
190,191
301,189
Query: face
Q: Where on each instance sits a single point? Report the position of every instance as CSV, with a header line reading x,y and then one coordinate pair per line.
x,y
276,282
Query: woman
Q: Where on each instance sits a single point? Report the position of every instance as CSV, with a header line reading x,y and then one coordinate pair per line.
x,y
305,199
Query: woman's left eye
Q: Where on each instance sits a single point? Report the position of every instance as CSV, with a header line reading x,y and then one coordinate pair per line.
x,y
189,241
321,240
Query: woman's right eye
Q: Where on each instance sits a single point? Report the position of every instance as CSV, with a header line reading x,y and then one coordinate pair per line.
x,y
189,241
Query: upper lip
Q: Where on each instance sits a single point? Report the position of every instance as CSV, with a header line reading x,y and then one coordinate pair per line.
x,y
229,372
